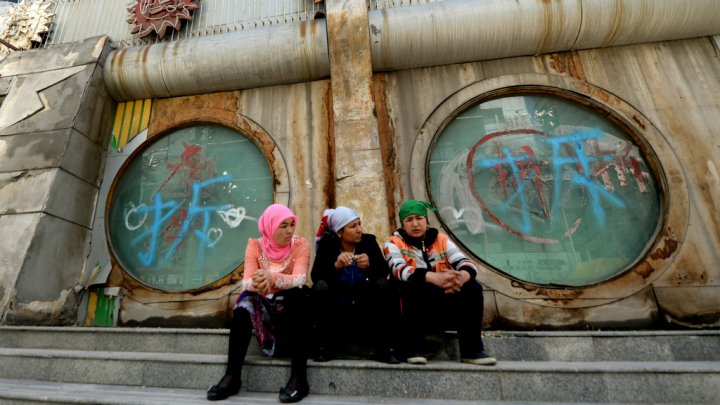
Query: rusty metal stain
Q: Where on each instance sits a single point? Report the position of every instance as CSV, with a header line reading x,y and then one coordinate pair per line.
x,y
169,113
568,63
643,269
560,295
688,270
670,245
638,121
329,186
551,20
386,134
303,28
617,21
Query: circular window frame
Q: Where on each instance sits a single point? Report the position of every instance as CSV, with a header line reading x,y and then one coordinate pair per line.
x,y
250,130
673,223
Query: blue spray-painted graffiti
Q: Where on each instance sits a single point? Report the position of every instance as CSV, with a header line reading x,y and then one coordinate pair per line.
x,y
576,156
162,212
522,172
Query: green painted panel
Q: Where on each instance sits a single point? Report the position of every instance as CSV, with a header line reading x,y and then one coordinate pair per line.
x,y
544,189
182,213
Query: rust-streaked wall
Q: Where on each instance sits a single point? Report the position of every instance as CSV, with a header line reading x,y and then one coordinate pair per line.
x,y
666,90
290,125
670,86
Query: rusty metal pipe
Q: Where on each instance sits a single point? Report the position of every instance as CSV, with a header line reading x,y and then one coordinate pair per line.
x,y
460,31
267,56
432,34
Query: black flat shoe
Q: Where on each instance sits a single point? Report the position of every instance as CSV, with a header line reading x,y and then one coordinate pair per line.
x,y
218,393
289,395
323,354
388,356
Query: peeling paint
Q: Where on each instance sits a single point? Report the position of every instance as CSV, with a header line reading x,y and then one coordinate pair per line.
x,y
48,307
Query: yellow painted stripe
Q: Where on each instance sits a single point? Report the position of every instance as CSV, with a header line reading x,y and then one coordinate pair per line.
x,y
125,130
119,115
142,116
91,308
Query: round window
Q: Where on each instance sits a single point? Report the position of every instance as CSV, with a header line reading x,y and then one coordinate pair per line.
x,y
544,189
183,209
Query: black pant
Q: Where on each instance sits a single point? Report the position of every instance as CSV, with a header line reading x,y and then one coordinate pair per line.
x,y
426,308
292,326
368,311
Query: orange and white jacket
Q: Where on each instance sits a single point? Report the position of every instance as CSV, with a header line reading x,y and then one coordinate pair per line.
x,y
408,263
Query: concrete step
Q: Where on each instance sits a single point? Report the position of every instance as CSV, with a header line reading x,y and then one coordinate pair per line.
x,y
24,392
506,345
551,381
581,367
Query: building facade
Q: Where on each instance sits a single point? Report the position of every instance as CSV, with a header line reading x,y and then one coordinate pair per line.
x,y
570,148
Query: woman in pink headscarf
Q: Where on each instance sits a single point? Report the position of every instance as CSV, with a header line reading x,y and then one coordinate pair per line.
x,y
273,302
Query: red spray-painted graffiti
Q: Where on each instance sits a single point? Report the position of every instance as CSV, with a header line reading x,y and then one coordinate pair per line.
x,y
526,179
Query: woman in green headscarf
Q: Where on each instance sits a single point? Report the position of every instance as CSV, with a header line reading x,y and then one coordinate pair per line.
x,y
438,289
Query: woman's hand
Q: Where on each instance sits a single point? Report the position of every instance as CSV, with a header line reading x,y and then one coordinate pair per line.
x,y
450,281
344,259
363,261
262,281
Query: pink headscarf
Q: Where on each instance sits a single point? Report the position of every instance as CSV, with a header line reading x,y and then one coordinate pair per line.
x,y
268,224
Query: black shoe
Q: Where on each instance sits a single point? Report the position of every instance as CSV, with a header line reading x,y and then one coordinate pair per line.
x,y
322,355
388,356
290,395
219,391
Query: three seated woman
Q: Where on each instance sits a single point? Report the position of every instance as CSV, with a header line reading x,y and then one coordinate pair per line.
x,y
420,283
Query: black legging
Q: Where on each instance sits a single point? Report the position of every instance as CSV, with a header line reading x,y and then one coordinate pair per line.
x,y
371,310
292,326
427,308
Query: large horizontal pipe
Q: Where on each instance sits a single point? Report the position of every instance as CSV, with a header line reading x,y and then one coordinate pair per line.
x,y
432,34
277,54
459,31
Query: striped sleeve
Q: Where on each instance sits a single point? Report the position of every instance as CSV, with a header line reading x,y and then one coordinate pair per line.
x,y
396,261
458,260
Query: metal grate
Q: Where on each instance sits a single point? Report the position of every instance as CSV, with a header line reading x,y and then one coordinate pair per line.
x,y
382,4
76,20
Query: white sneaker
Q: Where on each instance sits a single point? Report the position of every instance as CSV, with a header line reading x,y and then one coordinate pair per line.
x,y
417,360
482,359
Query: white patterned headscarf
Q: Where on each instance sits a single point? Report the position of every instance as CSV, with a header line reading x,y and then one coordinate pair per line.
x,y
333,220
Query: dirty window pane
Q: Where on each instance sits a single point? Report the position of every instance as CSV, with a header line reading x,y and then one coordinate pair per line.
x,y
184,208
544,189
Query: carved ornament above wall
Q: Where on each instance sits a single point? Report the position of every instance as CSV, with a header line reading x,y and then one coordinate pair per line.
x,y
158,15
23,23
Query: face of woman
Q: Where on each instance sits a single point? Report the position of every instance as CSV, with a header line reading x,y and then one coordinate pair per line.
x,y
352,232
415,225
284,233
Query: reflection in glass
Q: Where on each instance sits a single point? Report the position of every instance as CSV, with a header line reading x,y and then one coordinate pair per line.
x,y
544,190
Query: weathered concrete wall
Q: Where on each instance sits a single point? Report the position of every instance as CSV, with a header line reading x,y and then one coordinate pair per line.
x,y
358,160
348,140
670,86
55,123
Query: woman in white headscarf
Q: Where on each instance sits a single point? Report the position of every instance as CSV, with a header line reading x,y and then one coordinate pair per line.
x,y
353,297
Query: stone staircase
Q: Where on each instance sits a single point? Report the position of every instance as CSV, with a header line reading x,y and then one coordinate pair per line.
x,y
62,365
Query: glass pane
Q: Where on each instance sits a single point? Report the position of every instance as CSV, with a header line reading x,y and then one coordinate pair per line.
x,y
544,189
182,213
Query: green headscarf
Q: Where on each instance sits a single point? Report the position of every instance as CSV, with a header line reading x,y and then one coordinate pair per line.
x,y
411,207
